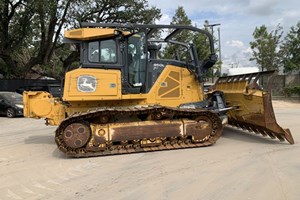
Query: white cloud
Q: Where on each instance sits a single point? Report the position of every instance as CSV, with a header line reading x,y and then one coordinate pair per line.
x,y
277,21
165,19
238,19
235,43
248,50
262,7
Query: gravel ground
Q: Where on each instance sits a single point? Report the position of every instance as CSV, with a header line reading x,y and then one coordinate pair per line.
x,y
239,166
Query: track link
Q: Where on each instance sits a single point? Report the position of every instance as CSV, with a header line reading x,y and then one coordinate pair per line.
x,y
160,114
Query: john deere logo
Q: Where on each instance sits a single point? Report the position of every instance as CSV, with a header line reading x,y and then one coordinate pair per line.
x,y
86,83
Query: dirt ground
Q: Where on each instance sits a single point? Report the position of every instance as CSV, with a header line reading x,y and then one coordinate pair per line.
x,y
239,166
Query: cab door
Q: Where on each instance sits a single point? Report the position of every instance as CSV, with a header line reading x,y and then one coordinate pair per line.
x,y
137,59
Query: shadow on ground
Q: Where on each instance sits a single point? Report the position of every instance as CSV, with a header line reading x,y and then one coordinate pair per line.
x,y
40,139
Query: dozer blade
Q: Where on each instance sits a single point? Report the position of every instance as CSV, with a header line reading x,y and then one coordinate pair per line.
x,y
254,111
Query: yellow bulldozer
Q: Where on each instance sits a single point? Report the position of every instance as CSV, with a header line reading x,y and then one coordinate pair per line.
x,y
123,98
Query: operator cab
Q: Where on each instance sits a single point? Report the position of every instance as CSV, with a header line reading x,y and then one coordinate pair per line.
x,y
121,50
135,52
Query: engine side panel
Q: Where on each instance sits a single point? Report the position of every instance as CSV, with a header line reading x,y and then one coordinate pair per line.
x,y
87,89
92,84
174,86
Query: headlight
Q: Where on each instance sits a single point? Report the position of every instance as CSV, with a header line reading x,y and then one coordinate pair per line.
x,y
19,105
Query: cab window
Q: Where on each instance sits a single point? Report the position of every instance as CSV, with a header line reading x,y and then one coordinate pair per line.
x,y
137,59
102,51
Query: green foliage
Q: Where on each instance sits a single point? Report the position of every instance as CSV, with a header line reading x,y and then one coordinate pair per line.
x,y
290,49
200,40
264,47
15,18
202,43
117,11
171,50
30,35
289,91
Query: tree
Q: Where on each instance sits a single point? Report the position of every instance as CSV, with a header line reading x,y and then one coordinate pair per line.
x,y
30,34
117,11
290,49
180,18
203,48
31,40
14,37
202,43
265,47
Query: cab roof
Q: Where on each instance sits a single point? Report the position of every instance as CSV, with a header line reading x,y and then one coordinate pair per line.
x,y
91,33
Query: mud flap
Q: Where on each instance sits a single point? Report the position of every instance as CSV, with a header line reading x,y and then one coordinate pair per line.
x,y
254,111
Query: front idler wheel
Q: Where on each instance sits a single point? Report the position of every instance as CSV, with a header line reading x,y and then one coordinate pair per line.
x,y
76,135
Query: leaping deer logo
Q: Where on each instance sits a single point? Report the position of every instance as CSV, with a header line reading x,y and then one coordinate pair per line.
x,y
86,83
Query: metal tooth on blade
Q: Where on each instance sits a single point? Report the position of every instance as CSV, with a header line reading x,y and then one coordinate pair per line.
x,y
235,123
258,131
288,136
243,126
263,132
252,129
279,137
255,130
270,134
249,128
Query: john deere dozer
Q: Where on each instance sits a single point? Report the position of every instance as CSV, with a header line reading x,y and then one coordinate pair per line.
x,y
123,98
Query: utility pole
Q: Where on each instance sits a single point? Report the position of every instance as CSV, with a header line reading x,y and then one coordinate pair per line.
x,y
220,59
212,32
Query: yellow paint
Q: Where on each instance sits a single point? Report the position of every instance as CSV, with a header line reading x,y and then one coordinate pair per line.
x,y
91,33
100,130
249,100
42,105
232,87
108,85
180,80
189,88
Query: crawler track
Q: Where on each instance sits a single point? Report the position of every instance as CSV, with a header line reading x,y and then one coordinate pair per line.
x,y
164,121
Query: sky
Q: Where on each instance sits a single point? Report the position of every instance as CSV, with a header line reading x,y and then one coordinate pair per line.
x,y
238,19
